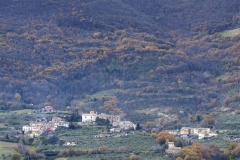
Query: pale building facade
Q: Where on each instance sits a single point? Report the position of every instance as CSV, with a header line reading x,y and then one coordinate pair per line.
x,y
58,122
37,128
127,125
172,149
201,130
92,116
89,117
111,118
27,128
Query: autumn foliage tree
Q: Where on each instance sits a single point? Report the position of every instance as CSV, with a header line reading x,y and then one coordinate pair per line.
x,y
163,137
236,151
103,149
199,152
150,124
134,157
110,105
208,120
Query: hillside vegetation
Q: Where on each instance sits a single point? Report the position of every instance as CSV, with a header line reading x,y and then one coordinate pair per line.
x,y
134,54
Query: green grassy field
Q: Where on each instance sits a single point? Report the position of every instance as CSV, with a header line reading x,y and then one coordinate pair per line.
x,y
230,33
7,148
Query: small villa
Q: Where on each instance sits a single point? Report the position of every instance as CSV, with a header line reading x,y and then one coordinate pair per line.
x,y
48,109
92,116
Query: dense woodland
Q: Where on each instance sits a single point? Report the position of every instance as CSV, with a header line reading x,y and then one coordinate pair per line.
x,y
146,54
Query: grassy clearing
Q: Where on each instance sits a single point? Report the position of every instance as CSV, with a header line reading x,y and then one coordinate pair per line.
x,y
23,111
102,94
230,119
2,125
230,33
2,113
64,112
32,147
7,148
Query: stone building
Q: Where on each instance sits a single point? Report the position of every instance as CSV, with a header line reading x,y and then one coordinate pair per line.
x,y
126,125
172,149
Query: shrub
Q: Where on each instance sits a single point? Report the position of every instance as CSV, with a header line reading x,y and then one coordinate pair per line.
x,y
149,89
77,152
15,157
135,157
122,149
103,149
70,152
96,34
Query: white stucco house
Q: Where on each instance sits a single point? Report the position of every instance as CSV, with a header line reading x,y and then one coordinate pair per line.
x,y
26,128
89,117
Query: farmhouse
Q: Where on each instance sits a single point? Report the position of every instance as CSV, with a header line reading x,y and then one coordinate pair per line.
x,y
58,122
185,131
201,130
48,109
127,125
89,117
172,149
26,128
114,120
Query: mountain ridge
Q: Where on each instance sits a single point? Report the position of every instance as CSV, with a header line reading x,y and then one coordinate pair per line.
x,y
146,53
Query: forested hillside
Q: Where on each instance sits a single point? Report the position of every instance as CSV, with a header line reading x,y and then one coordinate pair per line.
x,y
130,54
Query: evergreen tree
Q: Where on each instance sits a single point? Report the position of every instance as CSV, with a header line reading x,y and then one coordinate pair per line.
x,y
138,127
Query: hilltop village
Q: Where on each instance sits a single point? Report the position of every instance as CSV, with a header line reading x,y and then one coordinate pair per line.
x,y
41,125
35,129
113,122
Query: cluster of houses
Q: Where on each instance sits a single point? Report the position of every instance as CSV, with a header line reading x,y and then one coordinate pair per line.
x,y
202,133
115,120
41,125
185,132
35,129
